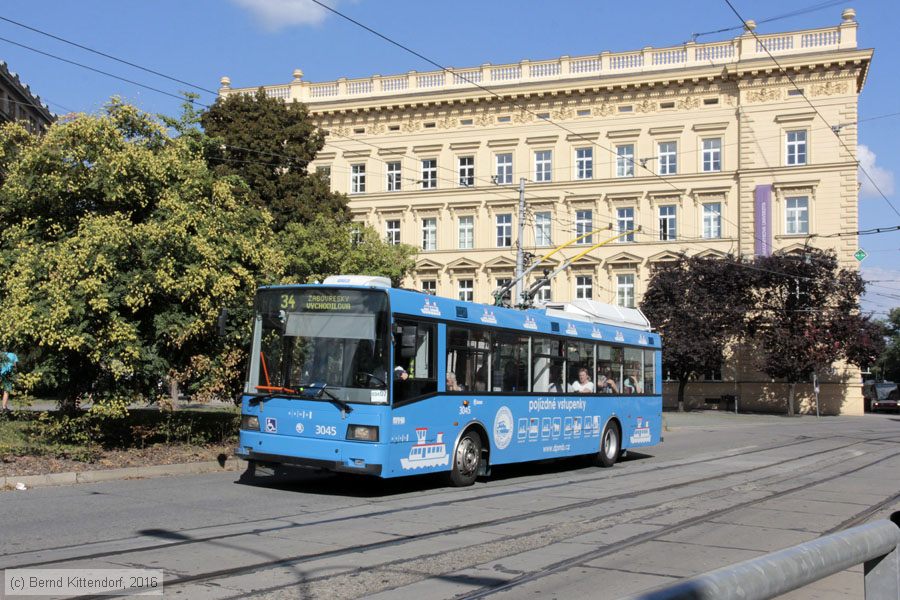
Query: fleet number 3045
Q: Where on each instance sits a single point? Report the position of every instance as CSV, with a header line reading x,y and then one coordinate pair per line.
x,y
326,430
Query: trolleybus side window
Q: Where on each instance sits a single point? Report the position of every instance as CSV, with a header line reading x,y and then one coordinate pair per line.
x,y
548,363
469,356
649,371
415,352
632,382
580,357
609,364
510,363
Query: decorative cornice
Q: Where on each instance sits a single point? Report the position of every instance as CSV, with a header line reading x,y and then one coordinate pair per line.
x,y
796,117
709,127
668,130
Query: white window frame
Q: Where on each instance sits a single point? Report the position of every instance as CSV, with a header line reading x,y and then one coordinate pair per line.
x,y
394,177
429,286
504,230
584,223
584,287
466,170
668,222
543,165
584,163
796,218
796,151
667,157
466,232
429,233
544,293
625,219
466,293
711,220
625,290
543,229
429,173
503,170
625,160
392,233
358,178
711,161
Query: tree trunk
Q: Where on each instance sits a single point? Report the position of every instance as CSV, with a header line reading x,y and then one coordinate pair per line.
x,y
791,399
682,383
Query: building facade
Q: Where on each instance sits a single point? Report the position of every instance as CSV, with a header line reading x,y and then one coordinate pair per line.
x,y
17,103
703,149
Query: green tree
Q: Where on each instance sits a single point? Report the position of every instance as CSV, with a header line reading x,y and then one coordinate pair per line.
x,y
698,305
324,247
119,248
269,144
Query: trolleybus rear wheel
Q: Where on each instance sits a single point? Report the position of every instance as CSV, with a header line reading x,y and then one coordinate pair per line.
x,y
610,446
466,460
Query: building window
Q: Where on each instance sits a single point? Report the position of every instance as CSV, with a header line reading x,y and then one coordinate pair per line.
x,y
357,179
584,287
584,163
543,165
712,155
625,222
543,293
667,155
667,224
324,172
712,220
429,233
503,282
625,160
466,232
393,177
504,169
504,231
542,229
429,286
429,173
796,147
797,212
466,171
466,291
392,229
584,224
355,234
625,290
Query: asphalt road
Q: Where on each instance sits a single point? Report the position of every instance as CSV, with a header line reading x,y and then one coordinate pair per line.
x,y
720,489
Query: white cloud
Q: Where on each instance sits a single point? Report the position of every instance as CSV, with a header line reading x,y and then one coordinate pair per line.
x,y
278,14
883,178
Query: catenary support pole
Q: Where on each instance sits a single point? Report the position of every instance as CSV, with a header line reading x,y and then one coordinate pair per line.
x,y
520,250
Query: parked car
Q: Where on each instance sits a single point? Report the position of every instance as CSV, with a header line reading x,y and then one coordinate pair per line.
x,y
883,395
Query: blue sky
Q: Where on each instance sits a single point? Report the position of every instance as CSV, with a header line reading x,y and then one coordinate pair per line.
x,y
263,41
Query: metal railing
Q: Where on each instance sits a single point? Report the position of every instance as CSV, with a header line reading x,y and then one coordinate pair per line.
x,y
875,545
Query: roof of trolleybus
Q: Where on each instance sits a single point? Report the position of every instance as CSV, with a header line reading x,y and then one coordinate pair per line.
x,y
577,319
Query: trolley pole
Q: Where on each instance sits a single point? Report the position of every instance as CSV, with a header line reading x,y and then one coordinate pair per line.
x,y
520,251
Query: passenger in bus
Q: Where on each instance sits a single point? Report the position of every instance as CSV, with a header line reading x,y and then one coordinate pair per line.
x,y
400,374
583,385
480,379
452,385
630,385
555,386
606,384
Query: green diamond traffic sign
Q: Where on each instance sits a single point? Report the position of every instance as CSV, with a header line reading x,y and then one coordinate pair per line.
x,y
860,255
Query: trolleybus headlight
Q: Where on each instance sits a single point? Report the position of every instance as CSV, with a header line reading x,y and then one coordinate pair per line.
x,y
366,433
250,422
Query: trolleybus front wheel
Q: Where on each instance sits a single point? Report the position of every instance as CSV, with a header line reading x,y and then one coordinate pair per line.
x,y
466,460
610,446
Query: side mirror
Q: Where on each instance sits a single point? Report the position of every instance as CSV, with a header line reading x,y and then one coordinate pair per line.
x,y
223,321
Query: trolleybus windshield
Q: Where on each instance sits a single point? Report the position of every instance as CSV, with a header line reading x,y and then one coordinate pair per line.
x,y
315,338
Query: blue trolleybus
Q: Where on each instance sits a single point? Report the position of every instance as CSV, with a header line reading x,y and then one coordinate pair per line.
x,y
355,376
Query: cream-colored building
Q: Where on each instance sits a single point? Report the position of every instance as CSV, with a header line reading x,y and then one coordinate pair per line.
x,y
689,143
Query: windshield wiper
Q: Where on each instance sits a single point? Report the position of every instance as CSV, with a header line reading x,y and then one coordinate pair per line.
x,y
305,390
344,406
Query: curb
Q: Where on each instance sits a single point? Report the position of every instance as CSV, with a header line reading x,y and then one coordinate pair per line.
x,y
75,477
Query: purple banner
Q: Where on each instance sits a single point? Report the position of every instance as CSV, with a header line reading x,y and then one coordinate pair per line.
x,y
763,220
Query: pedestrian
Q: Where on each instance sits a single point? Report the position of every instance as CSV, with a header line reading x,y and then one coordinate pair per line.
x,y
8,362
